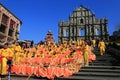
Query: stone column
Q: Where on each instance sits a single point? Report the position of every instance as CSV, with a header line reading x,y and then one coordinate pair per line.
x,y
107,35
7,29
18,30
93,22
94,33
64,32
88,27
70,31
106,28
87,32
106,24
59,31
78,32
1,14
14,33
75,33
4,38
90,32
103,31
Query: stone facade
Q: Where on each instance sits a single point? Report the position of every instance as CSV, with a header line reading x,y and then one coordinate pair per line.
x,y
82,24
9,26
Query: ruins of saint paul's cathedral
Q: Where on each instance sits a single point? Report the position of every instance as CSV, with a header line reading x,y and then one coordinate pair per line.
x,y
82,24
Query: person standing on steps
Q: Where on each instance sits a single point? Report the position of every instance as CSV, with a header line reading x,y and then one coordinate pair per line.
x,y
101,46
5,54
85,54
93,42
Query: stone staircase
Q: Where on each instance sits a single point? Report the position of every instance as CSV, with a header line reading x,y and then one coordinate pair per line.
x,y
104,68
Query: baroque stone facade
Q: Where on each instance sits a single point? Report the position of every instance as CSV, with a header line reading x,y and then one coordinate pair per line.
x,y
9,26
82,24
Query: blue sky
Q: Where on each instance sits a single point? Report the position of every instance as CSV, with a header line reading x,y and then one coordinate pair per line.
x,y
39,16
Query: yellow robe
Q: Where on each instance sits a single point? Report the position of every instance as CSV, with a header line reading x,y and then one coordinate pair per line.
x,y
17,53
101,46
86,48
93,43
5,53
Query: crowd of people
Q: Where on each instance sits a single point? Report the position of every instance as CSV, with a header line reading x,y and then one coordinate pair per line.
x,y
49,59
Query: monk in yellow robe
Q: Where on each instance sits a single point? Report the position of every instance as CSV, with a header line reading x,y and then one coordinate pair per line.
x,y
13,47
93,43
17,53
101,46
5,53
85,54
80,42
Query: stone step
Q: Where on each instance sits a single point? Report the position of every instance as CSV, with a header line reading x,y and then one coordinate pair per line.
x,y
102,62
23,78
74,77
107,56
99,64
67,78
87,78
102,67
100,70
104,58
97,74
98,53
